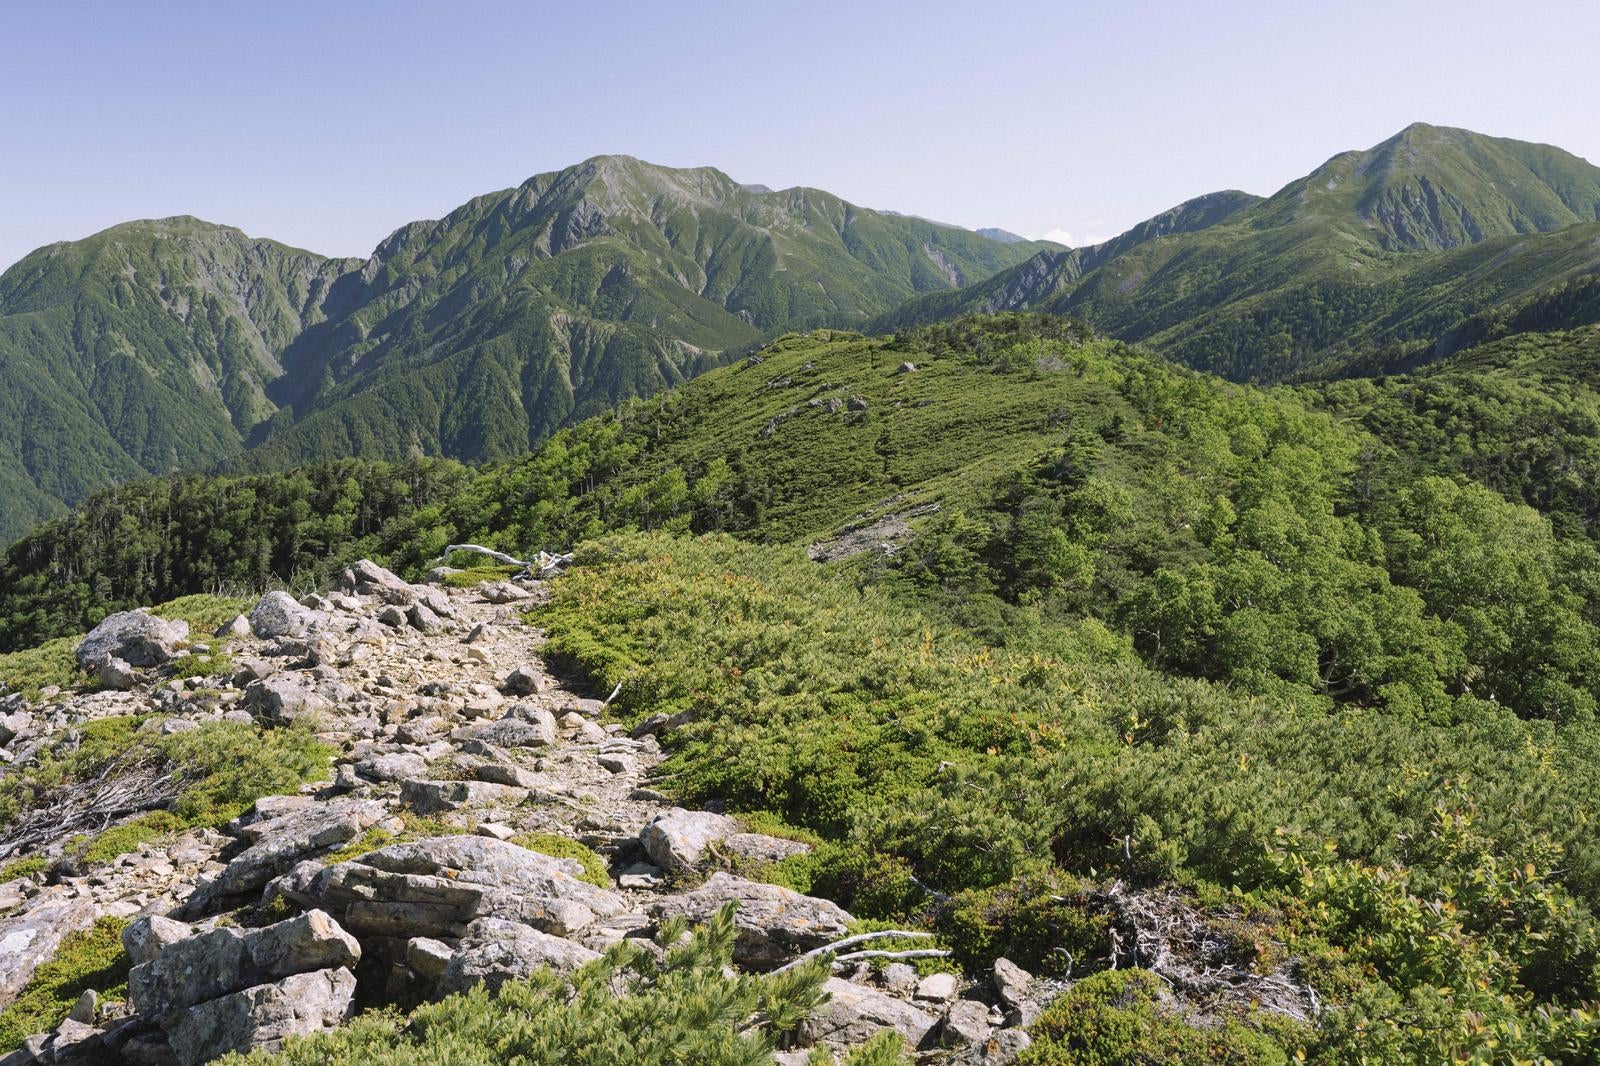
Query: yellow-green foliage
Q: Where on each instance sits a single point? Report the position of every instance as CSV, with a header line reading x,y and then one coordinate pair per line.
x,y
221,767
1115,1018
51,663
999,776
625,1008
478,575
1042,922
203,612
27,867
89,959
208,665
560,847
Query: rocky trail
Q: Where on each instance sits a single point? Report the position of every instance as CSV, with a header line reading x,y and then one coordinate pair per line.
x,y
425,865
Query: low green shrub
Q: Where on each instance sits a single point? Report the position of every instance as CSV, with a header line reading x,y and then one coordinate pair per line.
x,y
89,959
560,847
1115,1018
691,1008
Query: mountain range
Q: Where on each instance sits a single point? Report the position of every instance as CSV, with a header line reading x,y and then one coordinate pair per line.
x,y
175,344
1379,259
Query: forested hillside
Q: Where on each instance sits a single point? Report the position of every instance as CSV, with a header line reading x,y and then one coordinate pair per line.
x,y
1385,258
1311,672
177,345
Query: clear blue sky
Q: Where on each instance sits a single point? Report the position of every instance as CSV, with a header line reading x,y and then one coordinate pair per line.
x,y
328,124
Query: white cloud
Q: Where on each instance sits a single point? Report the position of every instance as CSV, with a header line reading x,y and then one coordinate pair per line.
x,y
1071,240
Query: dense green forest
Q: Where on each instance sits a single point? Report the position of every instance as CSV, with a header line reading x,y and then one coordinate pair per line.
x,y
1320,664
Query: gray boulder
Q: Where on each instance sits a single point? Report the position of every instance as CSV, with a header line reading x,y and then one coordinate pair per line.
x,y
284,698
145,938
278,843
774,923
1012,982
424,619
137,638
395,766
237,626
522,727
437,797
495,952
117,674
504,592
760,848
677,839
855,1013
367,578
278,615
263,1016
228,959
966,1024
438,886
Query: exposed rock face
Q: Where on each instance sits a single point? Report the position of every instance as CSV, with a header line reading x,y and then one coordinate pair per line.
x,y
32,938
496,951
677,839
227,959
855,1013
263,1016
281,700
135,637
278,615
774,922
278,843
438,886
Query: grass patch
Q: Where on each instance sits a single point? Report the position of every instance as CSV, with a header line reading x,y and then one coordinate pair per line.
x,y
222,768
203,612
88,959
209,665
33,864
51,663
478,575
560,847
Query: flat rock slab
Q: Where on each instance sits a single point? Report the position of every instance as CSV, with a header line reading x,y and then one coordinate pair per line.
x,y
438,886
32,938
281,842
855,1013
774,923
495,952
677,839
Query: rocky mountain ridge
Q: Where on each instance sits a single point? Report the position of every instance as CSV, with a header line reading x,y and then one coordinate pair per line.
x,y
418,869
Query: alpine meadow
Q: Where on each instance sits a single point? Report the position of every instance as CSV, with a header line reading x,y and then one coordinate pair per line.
x,y
646,617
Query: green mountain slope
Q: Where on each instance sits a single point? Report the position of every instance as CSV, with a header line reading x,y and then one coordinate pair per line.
x,y
1392,250
170,345
144,349
1079,625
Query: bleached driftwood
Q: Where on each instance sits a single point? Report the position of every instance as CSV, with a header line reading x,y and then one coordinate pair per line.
x,y
509,560
545,564
862,938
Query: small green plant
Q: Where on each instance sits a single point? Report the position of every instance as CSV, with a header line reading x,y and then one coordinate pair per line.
x,y
560,847
33,864
1116,1017
478,575
88,959
192,665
